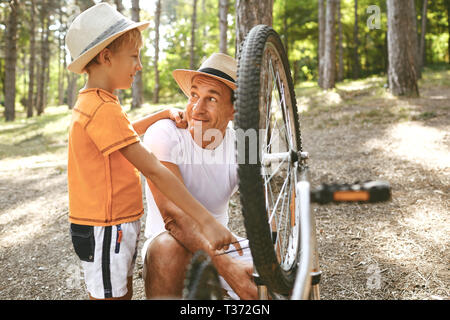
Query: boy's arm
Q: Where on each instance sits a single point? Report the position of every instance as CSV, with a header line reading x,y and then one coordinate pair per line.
x,y
186,231
146,162
141,125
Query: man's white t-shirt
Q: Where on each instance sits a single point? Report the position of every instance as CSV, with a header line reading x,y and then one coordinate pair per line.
x,y
209,175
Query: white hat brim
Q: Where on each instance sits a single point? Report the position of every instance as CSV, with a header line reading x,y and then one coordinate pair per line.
x,y
78,64
184,79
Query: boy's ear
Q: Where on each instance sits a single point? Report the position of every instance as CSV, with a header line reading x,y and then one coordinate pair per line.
x,y
104,57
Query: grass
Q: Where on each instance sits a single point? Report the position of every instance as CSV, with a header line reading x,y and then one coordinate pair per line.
x,y
366,101
48,133
361,101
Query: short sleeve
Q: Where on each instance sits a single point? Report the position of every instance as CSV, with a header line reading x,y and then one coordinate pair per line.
x,y
110,129
163,140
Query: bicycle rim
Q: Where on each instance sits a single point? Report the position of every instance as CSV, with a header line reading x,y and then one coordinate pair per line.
x,y
266,103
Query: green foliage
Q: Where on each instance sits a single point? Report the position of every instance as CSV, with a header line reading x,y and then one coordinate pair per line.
x,y
295,20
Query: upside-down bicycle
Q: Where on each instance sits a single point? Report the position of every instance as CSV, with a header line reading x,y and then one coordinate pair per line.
x,y
273,173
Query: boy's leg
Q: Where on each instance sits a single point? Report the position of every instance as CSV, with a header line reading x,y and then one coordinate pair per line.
x,y
128,296
108,269
165,267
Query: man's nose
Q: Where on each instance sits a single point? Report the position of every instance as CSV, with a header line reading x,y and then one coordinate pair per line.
x,y
199,106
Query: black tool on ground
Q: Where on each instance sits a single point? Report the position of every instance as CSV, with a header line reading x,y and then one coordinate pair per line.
x,y
368,191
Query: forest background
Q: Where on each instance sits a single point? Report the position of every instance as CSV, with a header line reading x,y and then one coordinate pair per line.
x,y
366,125
184,32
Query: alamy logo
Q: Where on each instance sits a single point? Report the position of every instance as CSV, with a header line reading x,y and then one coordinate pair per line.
x,y
374,279
374,21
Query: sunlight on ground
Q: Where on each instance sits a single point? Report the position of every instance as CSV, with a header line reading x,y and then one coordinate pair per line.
x,y
18,233
419,144
45,160
360,84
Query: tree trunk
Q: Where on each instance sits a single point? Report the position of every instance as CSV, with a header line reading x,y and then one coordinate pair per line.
x,y
356,63
193,29
250,13
423,32
329,68
416,40
286,29
61,53
119,5
10,62
321,52
448,26
402,48
44,60
30,101
71,89
137,86
223,25
157,23
340,47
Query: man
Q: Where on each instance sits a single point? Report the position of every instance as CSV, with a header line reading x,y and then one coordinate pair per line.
x,y
203,157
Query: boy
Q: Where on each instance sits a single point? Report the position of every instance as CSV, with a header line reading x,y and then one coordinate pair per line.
x,y
105,197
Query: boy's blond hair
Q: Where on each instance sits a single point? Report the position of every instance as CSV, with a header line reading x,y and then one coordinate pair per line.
x,y
133,36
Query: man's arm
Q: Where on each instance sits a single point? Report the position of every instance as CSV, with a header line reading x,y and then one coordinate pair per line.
x,y
146,162
186,231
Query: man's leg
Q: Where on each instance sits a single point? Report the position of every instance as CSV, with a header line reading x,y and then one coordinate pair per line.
x,y
165,267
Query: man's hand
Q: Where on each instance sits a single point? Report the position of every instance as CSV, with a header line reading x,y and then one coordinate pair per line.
x,y
218,236
179,117
239,275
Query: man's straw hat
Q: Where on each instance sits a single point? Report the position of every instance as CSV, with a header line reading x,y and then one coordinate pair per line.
x,y
218,66
93,30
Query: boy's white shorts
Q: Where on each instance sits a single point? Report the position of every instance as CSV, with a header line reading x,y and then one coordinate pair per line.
x,y
108,256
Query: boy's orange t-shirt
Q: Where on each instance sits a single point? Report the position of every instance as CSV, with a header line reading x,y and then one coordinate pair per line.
x,y
104,187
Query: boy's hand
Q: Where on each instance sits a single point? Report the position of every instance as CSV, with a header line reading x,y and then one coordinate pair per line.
x,y
178,117
219,237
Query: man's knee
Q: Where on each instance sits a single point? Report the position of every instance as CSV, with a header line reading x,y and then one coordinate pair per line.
x,y
166,252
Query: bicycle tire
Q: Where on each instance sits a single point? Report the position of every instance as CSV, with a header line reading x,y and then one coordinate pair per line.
x,y
249,115
202,280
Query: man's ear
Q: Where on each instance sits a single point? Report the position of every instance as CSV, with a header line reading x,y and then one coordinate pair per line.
x,y
232,111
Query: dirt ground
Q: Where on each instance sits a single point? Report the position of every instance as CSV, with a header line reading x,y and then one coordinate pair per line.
x,y
394,250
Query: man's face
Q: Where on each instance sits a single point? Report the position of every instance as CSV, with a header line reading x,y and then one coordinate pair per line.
x,y
209,108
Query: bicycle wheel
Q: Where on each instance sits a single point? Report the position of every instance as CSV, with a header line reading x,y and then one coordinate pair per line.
x,y
265,104
202,280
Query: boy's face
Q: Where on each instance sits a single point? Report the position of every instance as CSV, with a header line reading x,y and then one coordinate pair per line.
x,y
125,64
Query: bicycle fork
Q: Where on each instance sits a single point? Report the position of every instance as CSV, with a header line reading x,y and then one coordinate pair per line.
x,y
308,274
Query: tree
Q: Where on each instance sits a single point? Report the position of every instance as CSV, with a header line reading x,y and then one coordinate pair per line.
x,y
356,63
193,29
223,25
402,48
321,53
340,73
329,68
448,29
157,23
44,60
119,5
11,61
137,86
32,61
250,13
423,31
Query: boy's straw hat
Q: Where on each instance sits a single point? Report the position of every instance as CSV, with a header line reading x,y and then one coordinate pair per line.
x,y
218,66
93,30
